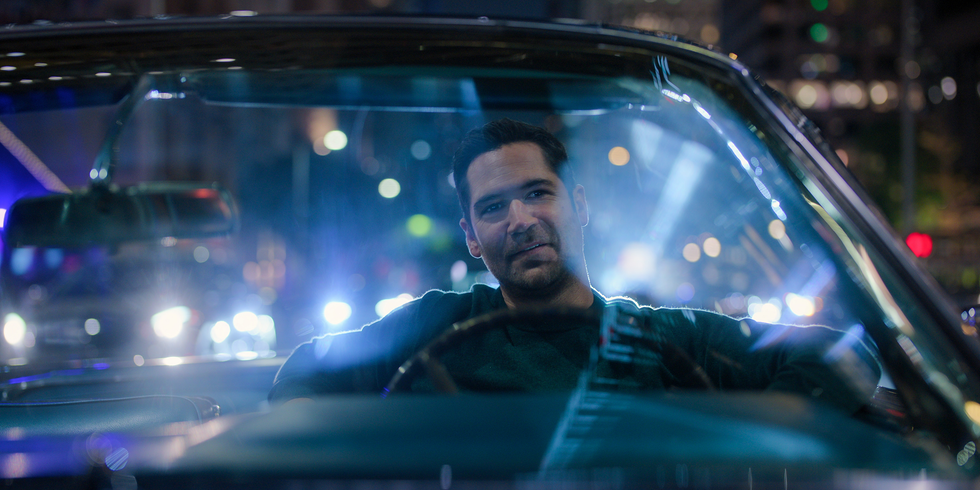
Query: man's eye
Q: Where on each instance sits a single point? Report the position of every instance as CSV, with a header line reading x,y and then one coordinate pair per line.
x,y
537,193
491,208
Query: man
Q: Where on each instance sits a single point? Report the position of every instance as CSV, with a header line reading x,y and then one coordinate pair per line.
x,y
523,215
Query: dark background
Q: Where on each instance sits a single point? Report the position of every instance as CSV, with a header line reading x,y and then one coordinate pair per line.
x,y
893,84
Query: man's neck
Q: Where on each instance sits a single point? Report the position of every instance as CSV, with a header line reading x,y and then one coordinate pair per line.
x,y
576,294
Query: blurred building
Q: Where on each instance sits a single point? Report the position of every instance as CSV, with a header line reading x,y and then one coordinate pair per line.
x,y
849,65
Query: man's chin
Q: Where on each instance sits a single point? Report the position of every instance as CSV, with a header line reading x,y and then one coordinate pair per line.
x,y
533,282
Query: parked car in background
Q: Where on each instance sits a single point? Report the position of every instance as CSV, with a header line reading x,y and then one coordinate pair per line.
x,y
196,197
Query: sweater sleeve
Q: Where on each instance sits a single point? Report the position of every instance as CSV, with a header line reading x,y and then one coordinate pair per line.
x,y
364,360
815,361
344,362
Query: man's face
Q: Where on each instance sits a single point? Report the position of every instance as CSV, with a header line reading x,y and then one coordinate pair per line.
x,y
523,223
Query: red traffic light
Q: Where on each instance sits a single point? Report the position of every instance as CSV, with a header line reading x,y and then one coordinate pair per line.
x,y
920,243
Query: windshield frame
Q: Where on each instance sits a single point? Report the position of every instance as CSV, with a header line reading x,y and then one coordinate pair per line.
x,y
817,168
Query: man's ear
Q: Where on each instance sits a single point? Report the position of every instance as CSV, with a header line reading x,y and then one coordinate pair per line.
x,y
471,242
581,206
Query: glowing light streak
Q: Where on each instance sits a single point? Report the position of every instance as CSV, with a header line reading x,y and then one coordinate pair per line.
x,y
701,111
676,96
741,159
777,208
683,178
30,161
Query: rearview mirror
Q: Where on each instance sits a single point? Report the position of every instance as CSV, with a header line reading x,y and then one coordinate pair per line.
x,y
112,214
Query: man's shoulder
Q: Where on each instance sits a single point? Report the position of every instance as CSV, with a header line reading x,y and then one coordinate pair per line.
x,y
440,308
479,295
695,316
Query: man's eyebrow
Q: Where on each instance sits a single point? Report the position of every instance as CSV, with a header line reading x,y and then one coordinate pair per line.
x,y
527,185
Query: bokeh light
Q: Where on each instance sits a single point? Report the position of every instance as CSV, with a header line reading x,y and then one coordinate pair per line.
x,y
710,34
220,332
421,150
389,188
878,93
458,271
807,96
685,292
419,225
201,254
245,321
336,312
819,32
800,305
21,260
335,140
637,261
14,329
920,244
712,247
948,85
691,252
619,156
766,312
912,69
385,306
777,229
170,322
92,326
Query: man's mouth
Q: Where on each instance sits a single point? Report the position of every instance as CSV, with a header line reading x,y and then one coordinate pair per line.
x,y
528,248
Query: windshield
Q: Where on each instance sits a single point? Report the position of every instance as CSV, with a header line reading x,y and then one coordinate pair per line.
x,y
346,208
356,206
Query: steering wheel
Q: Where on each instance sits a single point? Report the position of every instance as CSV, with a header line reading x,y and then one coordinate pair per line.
x,y
688,373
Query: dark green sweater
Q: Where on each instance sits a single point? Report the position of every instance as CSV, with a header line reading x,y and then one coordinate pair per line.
x,y
735,354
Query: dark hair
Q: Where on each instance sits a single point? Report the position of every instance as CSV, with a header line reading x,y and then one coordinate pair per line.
x,y
496,134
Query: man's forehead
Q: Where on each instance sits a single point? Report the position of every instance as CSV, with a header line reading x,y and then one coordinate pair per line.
x,y
511,165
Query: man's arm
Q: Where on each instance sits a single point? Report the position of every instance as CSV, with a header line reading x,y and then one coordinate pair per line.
x,y
347,362
833,366
363,361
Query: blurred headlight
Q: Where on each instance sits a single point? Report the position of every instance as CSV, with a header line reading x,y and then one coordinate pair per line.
x,y
14,329
168,323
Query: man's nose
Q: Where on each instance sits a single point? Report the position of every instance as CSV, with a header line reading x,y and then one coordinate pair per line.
x,y
520,217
